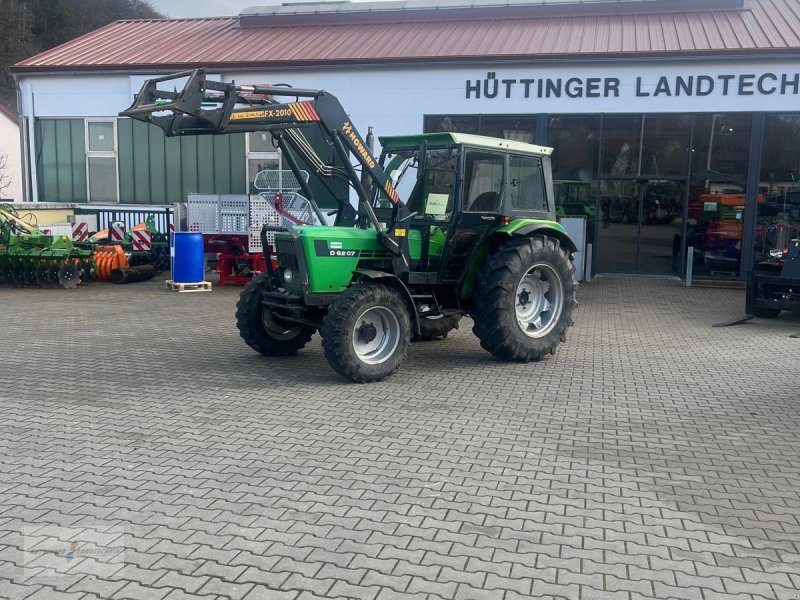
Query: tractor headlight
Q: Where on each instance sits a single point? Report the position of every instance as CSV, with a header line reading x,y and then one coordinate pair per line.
x,y
287,276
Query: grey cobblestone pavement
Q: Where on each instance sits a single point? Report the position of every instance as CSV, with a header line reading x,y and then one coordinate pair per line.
x,y
146,452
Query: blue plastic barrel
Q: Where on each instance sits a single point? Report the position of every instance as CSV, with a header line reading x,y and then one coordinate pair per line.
x,y
187,265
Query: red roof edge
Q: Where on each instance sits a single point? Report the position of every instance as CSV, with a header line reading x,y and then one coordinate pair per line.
x,y
236,65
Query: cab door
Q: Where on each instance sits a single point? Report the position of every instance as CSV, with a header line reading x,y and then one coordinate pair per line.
x,y
482,195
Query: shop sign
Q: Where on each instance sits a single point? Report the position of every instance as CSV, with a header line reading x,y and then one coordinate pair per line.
x,y
497,85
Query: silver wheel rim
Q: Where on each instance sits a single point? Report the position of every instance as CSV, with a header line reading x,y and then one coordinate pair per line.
x,y
376,335
277,330
539,300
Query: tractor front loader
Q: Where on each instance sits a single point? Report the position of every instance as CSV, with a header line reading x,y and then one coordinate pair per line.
x,y
446,225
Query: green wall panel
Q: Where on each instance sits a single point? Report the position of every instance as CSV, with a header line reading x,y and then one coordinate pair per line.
x,y
222,163
125,156
172,149
157,164
141,166
238,164
189,164
205,162
60,160
155,169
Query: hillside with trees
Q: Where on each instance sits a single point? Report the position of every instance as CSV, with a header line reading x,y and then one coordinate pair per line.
x,y
28,27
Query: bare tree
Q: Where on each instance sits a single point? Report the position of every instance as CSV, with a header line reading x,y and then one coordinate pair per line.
x,y
5,175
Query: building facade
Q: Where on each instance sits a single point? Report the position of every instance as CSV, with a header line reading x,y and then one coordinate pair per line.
x,y
675,128
10,160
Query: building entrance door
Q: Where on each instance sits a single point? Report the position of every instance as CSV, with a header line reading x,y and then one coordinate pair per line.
x,y
640,226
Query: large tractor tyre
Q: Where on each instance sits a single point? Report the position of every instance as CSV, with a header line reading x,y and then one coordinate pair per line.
x,y
523,299
260,330
437,327
366,333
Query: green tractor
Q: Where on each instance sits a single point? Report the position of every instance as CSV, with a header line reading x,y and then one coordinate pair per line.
x,y
475,236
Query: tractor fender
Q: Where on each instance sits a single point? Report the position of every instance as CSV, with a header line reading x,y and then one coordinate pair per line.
x,y
544,229
392,281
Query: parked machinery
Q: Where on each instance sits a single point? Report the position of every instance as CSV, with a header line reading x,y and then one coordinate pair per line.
x,y
31,257
477,232
775,285
231,223
157,255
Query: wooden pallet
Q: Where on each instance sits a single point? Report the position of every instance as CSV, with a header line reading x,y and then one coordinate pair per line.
x,y
203,286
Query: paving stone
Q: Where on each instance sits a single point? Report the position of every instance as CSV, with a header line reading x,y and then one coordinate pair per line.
x,y
234,591
260,592
317,586
134,591
644,455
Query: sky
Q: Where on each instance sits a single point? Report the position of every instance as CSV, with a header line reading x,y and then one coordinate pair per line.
x,y
226,8
206,8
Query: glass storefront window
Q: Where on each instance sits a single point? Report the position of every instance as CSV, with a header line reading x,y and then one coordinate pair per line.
x,y
721,144
520,129
715,227
778,200
575,140
665,144
451,123
621,144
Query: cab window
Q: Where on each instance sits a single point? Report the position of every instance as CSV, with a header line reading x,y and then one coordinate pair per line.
x,y
527,183
432,197
483,177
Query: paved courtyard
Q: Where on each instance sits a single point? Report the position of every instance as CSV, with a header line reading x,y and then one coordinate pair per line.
x,y
147,453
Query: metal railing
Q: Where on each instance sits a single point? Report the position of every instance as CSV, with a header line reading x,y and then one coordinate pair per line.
x,y
163,216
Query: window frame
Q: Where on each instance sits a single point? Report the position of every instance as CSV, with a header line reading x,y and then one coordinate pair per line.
x,y
542,179
101,154
255,155
465,186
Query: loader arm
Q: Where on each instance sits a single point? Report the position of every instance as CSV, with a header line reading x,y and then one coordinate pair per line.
x,y
210,107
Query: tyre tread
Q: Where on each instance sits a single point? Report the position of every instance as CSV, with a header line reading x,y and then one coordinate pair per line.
x,y
335,334
252,331
496,279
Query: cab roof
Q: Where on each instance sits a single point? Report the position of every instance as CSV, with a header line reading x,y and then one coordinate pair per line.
x,y
449,139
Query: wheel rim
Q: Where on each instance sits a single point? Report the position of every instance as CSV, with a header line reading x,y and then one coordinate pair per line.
x,y
276,329
539,300
376,335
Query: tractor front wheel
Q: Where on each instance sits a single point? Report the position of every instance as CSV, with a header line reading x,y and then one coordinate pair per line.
x,y
366,333
260,329
523,299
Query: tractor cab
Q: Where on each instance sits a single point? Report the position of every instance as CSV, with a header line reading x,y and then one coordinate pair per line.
x,y
460,189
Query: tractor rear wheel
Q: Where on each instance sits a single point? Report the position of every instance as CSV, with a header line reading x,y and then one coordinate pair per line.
x,y
366,333
523,299
260,329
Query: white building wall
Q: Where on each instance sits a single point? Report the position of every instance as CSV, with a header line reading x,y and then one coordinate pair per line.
x,y
9,147
394,99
